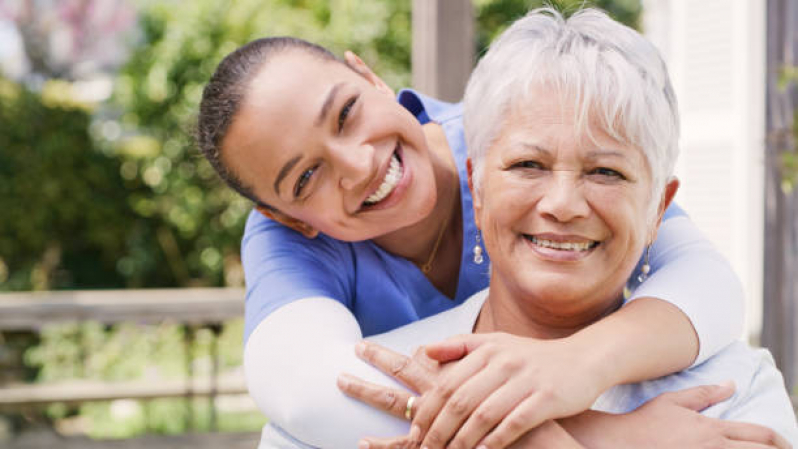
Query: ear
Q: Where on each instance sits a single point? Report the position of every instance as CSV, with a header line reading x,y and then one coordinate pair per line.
x,y
297,225
476,200
357,64
667,198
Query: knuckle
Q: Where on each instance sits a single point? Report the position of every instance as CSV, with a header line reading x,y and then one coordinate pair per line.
x,y
459,405
390,399
435,438
445,390
485,417
400,366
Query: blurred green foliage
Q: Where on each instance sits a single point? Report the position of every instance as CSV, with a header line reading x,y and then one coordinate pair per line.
x,y
493,16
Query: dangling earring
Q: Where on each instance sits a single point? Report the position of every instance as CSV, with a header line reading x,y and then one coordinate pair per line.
x,y
478,259
646,268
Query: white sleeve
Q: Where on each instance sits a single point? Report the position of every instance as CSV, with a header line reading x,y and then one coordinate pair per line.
x,y
292,360
688,272
765,400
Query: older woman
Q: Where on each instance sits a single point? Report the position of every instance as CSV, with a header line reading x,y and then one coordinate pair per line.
x,y
572,164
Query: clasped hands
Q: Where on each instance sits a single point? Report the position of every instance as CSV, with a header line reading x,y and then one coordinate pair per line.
x,y
498,390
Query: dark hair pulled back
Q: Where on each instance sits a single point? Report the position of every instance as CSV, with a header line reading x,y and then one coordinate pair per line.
x,y
222,97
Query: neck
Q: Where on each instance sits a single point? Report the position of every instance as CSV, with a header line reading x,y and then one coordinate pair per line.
x,y
546,317
416,242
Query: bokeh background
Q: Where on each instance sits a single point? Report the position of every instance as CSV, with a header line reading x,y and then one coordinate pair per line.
x,y
101,186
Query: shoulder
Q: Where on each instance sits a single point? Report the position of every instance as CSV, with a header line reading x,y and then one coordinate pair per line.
x,y
455,321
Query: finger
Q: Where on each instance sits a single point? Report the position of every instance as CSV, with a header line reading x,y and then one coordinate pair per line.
x,y
454,348
385,443
746,445
401,367
436,397
528,414
459,407
753,433
489,414
699,398
381,397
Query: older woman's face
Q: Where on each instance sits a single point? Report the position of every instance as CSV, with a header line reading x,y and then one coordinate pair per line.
x,y
563,215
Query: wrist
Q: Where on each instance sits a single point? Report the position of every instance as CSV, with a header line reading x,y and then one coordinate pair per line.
x,y
596,430
592,357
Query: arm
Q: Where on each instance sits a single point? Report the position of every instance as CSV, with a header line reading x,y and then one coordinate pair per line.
x,y
300,335
292,360
673,315
690,274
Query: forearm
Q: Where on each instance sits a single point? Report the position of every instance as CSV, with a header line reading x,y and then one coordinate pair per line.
x,y
292,361
647,338
688,272
592,429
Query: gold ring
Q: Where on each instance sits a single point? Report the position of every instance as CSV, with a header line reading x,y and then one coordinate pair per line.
x,y
409,408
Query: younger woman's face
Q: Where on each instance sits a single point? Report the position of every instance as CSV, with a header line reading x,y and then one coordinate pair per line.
x,y
332,148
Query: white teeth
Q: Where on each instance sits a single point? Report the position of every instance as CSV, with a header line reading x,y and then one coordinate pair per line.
x,y
564,246
392,178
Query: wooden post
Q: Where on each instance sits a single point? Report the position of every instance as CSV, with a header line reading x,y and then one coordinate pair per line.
x,y
780,317
443,47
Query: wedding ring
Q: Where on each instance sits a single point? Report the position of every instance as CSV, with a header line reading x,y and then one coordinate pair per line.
x,y
409,408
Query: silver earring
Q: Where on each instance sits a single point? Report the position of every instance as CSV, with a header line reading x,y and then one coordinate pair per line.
x,y
478,259
646,268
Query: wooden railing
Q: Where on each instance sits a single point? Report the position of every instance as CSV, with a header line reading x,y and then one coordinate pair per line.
x,y
192,308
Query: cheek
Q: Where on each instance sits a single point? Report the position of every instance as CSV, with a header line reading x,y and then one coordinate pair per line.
x,y
622,209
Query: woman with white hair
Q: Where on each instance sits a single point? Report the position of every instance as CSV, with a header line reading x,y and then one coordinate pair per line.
x,y
572,129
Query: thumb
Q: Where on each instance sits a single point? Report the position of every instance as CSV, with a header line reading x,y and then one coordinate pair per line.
x,y
699,398
454,348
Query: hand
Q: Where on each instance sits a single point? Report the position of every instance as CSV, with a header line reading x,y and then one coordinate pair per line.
x,y
548,435
672,421
498,385
502,387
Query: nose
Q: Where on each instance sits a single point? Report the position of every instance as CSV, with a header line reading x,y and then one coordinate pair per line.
x,y
353,163
563,198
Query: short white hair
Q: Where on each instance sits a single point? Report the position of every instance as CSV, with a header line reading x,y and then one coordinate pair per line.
x,y
607,69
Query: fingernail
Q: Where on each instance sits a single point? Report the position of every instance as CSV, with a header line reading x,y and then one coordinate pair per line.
x,y
728,384
415,432
360,348
343,381
482,446
363,445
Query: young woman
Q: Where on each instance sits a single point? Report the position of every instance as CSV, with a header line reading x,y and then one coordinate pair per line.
x,y
364,223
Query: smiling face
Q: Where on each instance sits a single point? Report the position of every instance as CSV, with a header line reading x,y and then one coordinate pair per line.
x,y
564,215
332,148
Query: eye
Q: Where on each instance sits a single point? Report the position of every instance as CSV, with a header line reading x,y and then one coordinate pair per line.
x,y
303,180
345,113
607,173
534,165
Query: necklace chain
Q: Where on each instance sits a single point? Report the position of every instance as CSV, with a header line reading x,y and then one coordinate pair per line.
x,y
427,267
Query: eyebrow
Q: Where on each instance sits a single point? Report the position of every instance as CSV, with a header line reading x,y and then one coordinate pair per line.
x,y
284,172
325,108
605,153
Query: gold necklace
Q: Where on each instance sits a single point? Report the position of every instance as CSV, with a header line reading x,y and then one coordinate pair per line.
x,y
428,266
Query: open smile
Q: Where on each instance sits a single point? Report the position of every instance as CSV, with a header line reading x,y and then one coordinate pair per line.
x,y
564,249
391,181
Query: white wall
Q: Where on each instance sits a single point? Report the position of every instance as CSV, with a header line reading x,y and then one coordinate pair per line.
x,y
715,50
